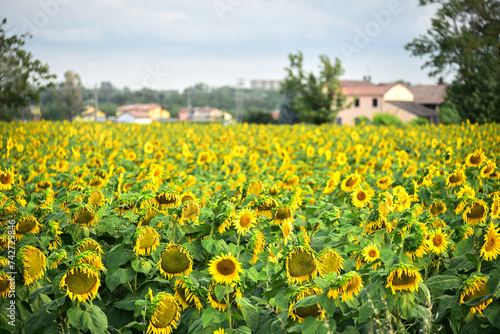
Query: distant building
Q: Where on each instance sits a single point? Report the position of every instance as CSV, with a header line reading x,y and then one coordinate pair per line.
x,y
394,98
134,116
89,115
155,111
203,114
429,96
265,84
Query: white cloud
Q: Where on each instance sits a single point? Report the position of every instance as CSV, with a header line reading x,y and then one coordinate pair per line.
x,y
71,35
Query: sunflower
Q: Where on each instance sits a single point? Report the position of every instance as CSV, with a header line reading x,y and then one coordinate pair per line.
x,y
203,157
32,264
189,211
286,230
148,147
371,253
466,192
252,187
347,285
403,277
438,241
27,224
167,199
475,159
55,232
6,179
219,331
61,166
476,212
90,258
146,240
266,205
4,261
81,282
282,213
88,244
175,260
56,258
456,178
301,313
495,207
225,218
147,215
4,241
85,216
351,182
163,314
187,294
332,183
5,281
187,196
225,269
257,243
436,208
329,261
341,158
384,182
489,168
291,182
221,304
491,246
243,221
361,197
301,265
473,288
96,199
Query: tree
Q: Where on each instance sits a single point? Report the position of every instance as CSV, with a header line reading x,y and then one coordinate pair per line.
x,y
72,93
311,98
22,78
464,40
448,113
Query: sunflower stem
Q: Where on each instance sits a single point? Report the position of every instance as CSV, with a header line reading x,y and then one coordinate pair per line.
x,y
479,265
135,284
228,304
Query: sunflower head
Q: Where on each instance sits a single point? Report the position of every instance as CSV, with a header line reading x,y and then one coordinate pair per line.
x,y
187,196
42,185
361,197
4,284
403,277
85,215
187,293
225,269
330,261
371,253
436,208
244,220
266,205
189,211
282,213
166,199
456,178
175,260
491,246
163,314
473,288
32,263
350,182
96,199
347,286
88,244
252,187
301,313
27,224
476,212
475,159
56,258
221,304
91,258
7,178
81,282
301,265
437,241
146,240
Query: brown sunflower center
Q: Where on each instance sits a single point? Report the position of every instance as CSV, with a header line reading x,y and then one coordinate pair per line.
x,y
85,216
301,264
80,283
372,253
226,267
477,211
165,199
5,179
4,283
26,225
470,295
245,220
405,279
165,313
95,182
304,312
350,182
174,261
361,195
352,285
491,244
455,178
437,240
283,214
43,185
475,159
436,209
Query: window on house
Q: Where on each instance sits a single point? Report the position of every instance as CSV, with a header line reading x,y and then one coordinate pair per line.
x,y
375,102
356,103
338,121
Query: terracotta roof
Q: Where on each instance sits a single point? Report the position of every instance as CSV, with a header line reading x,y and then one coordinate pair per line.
x,y
377,90
138,107
429,94
355,83
197,109
415,108
138,113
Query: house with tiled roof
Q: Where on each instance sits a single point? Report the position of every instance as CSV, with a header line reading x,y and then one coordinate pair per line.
x,y
155,111
367,98
203,114
134,116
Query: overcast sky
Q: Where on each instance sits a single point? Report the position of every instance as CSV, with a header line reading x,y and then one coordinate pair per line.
x,y
173,44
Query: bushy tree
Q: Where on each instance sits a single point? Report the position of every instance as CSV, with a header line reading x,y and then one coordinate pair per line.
x,y
312,98
21,77
386,119
448,113
464,40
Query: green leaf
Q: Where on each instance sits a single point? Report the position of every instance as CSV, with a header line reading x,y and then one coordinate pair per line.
x,y
205,213
444,282
492,312
127,304
250,313
211,316
243,330
118,256
142,265
310,325
365,312
493,281
327,303
92,319
119,276
307,301
463,247
140,306
210,245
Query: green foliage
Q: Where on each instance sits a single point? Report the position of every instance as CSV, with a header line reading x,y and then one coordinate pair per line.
x,y
448,114
362,120
419,121
260,117
463,40
386,119
311,98
22,77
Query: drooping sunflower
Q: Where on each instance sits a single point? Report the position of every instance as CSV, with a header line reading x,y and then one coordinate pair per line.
x,y
495,207
466,192
88,244
371,253
301,313
225,218
415,244
475,159
252,186
476,212
403,277
7,178
221,304
282,213
384,182
266,205
456,178
96,199
436,208
347,286
361,197
27,224
56,258
291,182
187,196
91,258
301,265
332,183
4,284
350,182
147,215
244,220
175,260
167,199
438,241
189,211
330,261
4,241
81,282
32,263
163,314
85,216
54,230
258,244
286,230
187,293
225,269
146,240
473,288
491,246
488,168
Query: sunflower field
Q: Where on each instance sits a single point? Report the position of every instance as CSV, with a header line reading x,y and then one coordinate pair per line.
x,y
190,228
